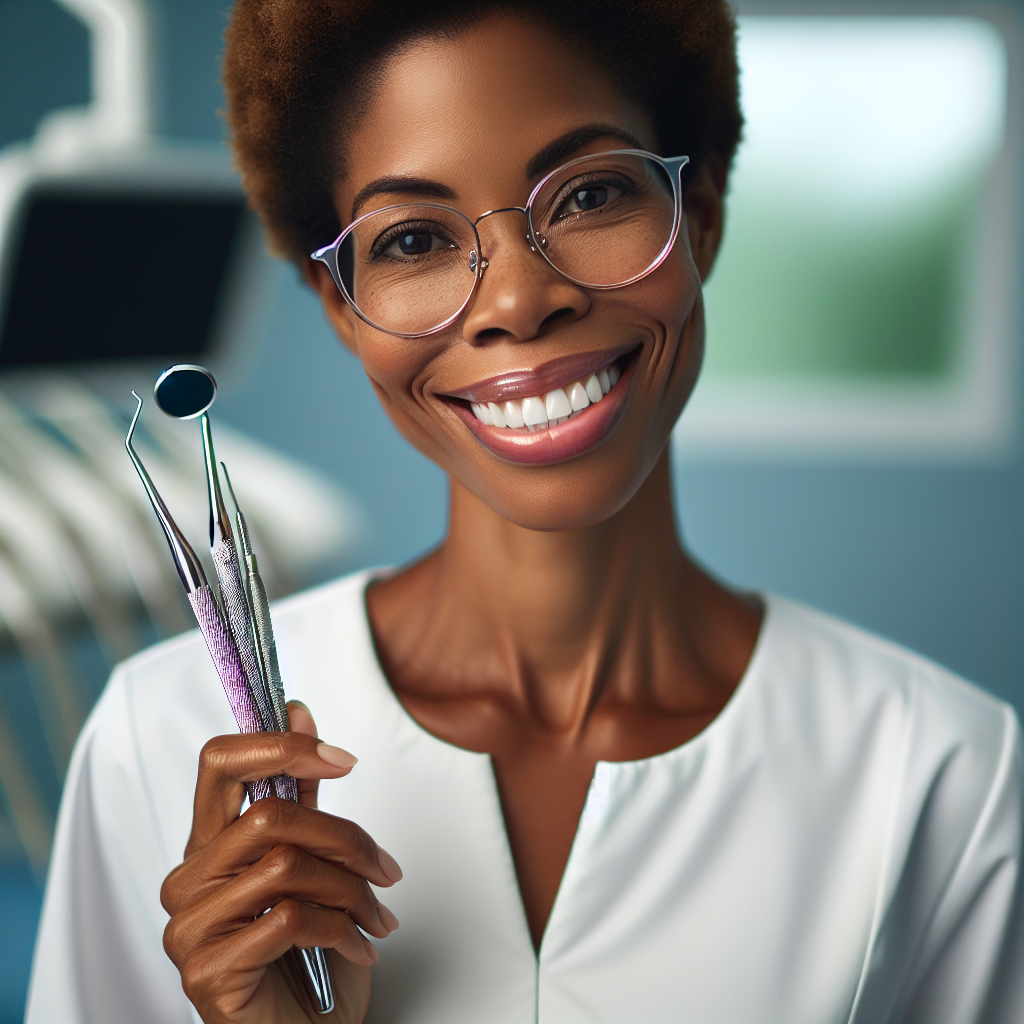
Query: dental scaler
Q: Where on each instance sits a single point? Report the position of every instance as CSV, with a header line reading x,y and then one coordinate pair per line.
x,y
235,622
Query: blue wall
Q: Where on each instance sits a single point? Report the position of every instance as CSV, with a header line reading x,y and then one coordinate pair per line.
x,y
931,556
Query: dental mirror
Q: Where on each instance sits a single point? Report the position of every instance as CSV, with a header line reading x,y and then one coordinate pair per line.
x,y
185,391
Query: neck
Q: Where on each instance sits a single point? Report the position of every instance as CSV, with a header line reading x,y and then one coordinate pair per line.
x,y
555,621
549,595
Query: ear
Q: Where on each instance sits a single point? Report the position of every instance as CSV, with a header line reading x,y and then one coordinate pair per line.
x,y
338,312
704,205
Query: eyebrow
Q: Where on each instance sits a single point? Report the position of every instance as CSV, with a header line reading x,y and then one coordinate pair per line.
x,y
550,156
406,185
565,145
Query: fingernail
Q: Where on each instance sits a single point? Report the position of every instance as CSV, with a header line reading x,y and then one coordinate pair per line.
x,y
371,950
389,865
386,917
336,756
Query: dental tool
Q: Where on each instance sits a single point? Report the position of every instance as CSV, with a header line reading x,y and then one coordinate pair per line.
x,y
233,633
186,391
256,592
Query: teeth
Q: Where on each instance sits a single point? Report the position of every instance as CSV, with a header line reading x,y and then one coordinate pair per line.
x,y
534,413
556,404
578,397
554,408
514,414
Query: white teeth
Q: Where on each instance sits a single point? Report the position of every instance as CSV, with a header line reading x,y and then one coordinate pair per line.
x,y
554,408
578,397
534,413
556,404
514,414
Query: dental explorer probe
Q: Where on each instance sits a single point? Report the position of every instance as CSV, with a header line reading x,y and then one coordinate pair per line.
x,y
218,638
309,966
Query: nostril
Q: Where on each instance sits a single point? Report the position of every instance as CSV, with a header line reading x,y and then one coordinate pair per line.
x,y
559,314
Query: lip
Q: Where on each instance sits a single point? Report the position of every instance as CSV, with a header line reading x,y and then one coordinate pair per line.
x,y
552,445
541,379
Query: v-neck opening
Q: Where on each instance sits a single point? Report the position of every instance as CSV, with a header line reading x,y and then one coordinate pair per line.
x,y
720,722
727,712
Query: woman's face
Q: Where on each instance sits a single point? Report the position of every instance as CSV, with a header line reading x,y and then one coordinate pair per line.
x,y
470,115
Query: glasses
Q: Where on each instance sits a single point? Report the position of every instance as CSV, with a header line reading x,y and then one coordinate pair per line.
x,y
602,221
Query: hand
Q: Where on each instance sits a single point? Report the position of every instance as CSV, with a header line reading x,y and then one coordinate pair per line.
x,y
312,869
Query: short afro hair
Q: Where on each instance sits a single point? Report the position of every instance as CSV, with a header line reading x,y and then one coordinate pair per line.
x,y
298,72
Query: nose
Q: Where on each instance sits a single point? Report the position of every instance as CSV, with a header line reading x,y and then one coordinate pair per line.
x,y
520,295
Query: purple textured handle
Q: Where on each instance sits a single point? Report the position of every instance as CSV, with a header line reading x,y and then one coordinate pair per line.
x,y
232,677
222,649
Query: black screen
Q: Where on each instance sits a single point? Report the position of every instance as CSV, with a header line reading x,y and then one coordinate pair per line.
x,y
101,277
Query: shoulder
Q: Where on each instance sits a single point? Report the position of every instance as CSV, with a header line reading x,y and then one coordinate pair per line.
x,y
845,668
946,752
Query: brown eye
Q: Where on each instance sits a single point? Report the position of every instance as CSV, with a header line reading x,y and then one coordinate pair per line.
x,y
591,197
415,243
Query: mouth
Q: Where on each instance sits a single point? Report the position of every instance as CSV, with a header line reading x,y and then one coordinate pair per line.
x,y
537,419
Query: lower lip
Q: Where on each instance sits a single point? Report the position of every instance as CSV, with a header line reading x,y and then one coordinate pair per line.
x,y
552,445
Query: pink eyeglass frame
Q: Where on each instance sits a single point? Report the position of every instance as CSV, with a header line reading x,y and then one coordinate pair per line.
x,y
673,167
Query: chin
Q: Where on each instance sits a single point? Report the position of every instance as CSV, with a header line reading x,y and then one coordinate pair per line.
x,y
571,495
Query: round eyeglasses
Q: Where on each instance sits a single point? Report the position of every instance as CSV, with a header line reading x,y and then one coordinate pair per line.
x,y
602,221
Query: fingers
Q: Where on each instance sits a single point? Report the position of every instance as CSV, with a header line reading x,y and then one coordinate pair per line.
x,y
227,762
300,719
287,873
226,970
265,825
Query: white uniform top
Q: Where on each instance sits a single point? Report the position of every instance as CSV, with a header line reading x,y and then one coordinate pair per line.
x,y
842,844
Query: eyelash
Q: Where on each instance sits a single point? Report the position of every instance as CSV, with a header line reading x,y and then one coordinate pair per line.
x,y
380,246
624,185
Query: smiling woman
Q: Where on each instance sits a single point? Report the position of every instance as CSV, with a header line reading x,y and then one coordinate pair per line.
x,y
619,790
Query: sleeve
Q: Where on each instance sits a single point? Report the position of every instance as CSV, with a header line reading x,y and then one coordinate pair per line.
x,y
971,970
99,955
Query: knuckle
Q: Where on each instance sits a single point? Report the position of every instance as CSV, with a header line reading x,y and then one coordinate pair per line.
x,y
282,862
193,978
169,892
287,916
173,945
216,753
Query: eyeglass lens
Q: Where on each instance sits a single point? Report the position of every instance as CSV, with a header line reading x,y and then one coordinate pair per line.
x,y
601,221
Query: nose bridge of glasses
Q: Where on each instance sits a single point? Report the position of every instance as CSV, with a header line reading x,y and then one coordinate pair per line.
x,y
504,209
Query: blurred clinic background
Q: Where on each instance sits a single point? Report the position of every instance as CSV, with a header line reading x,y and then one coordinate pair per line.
x,y
855,441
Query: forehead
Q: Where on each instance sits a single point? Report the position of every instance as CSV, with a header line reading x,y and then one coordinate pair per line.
x,y
471,111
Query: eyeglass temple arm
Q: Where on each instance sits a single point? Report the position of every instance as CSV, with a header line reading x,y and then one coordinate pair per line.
x,y
675,166
189,567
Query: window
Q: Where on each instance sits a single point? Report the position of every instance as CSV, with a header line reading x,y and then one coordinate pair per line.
x,y
862,301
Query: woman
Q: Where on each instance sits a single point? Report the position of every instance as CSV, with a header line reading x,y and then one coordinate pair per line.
x,y
618,790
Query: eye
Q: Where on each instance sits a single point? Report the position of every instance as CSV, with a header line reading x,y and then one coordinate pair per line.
x,y
415,243
585,198
590,198
409,241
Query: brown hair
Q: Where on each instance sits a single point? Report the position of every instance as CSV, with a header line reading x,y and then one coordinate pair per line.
x,y
298,72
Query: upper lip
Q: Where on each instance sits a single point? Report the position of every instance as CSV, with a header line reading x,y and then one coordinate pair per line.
x,y
553,374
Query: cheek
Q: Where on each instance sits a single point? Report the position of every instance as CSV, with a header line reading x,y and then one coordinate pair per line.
x,y
392,364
